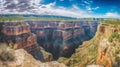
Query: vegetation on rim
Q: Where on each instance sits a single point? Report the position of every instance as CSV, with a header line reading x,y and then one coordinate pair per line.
x,y
111,21
115,35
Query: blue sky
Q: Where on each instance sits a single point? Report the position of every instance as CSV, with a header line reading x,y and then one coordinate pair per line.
x,y
96,6
73,8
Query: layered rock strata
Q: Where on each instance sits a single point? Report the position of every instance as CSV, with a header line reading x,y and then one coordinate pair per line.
x,y
17,35
61,38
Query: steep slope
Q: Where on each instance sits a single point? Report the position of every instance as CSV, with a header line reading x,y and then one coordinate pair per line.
x,y
42,55
17,35
23,59
103,49
61,38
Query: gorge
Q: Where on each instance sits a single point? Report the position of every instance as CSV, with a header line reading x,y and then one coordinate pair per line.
x,y
61,38
102,50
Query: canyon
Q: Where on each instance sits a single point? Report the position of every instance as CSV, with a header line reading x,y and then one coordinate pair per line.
x,y
17,35
61,38
103,50
74,43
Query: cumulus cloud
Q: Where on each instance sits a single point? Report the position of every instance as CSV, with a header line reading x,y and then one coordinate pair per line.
x,y
34,7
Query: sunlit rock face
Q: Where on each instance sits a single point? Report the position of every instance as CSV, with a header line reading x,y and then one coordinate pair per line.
x,y
61,38
17,35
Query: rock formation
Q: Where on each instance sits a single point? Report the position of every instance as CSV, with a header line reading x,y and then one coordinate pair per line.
x,y
108,51
61,38
103,49
17,35
23,59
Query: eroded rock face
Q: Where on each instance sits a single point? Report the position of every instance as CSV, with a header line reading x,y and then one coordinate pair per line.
x,y
17,35
102,50
108,51
61,38
104,54
42,55
23,59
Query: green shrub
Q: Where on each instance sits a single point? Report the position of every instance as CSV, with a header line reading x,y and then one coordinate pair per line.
x,y
117,61
114,35
112,21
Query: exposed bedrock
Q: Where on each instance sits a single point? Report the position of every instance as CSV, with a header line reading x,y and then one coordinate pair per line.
x,y
17,35
61,38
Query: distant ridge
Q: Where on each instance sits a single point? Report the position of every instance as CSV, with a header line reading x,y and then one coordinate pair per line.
x,y
37,16
44,17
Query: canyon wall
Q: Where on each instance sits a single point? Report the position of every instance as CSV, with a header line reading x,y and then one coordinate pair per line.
x,y
61,38
102,50
17,35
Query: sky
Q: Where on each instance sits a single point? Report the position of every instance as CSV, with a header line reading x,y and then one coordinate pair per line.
x,y
71,8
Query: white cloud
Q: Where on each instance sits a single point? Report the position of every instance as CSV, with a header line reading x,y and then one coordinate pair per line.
x,y
1,1
50,5
37,2
75,7
88,8
34,7
96,8
30,6
15,1
91,8
112,15
73,12
87,2
108,15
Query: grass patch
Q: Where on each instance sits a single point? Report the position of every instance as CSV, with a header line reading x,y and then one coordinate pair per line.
x,y
22,18
113,36
112,21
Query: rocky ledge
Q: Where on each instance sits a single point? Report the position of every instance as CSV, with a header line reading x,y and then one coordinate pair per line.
x,y
23,59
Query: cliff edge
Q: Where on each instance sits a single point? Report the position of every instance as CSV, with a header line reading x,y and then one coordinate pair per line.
x,y
102,50
21,58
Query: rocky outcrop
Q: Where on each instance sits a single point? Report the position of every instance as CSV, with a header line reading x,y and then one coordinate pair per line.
x,y
108,51
17,35
104,55
42,55
103,49
23,59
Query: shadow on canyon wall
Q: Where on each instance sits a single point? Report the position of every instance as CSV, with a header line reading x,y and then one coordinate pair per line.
x,y
61,38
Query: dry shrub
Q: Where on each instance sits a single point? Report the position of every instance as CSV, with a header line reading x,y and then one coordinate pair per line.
x,y
6,54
